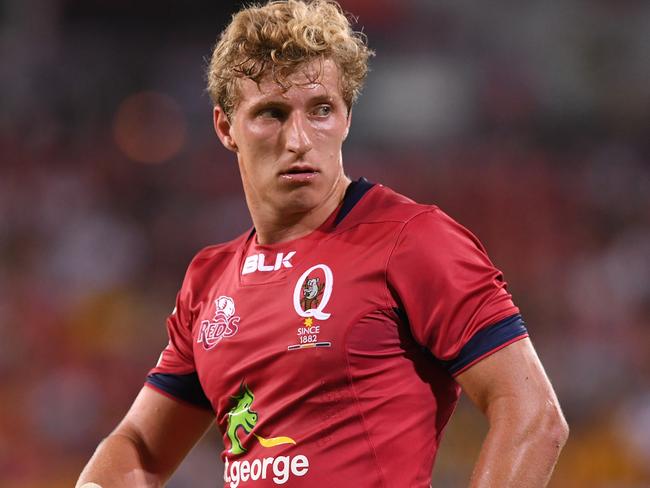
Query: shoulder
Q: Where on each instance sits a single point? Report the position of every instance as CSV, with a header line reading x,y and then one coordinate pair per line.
x,y
415,229
433,222
382,204
401,218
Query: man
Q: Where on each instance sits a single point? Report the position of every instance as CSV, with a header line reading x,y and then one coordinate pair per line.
x,y
332,340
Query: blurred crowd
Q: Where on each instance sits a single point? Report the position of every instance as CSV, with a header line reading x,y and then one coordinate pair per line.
x,y
528,122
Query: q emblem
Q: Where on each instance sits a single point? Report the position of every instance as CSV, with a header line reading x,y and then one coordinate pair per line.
x,y
312,292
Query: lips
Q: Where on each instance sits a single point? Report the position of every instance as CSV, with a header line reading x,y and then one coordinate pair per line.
x,y
298,169
299,173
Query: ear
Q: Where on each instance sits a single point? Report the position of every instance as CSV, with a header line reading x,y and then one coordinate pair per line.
x,y
223,128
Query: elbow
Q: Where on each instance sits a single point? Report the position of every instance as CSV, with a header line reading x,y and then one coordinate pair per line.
x,y
551,426
541,424
559,429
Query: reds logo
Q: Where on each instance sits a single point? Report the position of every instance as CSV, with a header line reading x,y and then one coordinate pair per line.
x,y
223,325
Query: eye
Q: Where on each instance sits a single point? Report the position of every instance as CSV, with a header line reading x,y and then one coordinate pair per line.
x,y
271,113
323,110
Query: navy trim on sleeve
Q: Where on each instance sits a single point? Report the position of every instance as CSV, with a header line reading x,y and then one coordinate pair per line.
x,y
185,387
353,194
487,340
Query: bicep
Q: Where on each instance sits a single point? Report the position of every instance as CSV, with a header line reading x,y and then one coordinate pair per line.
x,y
511,378
163,429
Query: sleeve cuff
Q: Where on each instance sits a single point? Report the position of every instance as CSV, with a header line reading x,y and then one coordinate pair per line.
x,y
184,387
487,341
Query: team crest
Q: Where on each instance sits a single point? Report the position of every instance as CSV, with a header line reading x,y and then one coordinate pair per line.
x,y
310,297
312,292
223,325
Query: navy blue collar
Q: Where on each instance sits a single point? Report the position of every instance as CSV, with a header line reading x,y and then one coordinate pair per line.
x,y
353,194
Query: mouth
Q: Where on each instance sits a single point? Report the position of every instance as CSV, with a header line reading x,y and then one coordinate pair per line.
x,y
299,173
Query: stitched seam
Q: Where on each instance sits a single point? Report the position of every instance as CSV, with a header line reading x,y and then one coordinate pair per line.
x,y
392,251
357,403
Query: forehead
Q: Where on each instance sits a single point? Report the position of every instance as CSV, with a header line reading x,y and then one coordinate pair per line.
x,y
314,79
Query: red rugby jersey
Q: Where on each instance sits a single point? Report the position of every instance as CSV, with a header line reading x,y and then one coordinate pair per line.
x,y
329,360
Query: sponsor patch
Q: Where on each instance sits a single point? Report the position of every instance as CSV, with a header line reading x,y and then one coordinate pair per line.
x,y
243,419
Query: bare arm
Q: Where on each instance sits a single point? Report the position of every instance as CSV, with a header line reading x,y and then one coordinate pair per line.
x,y
148,445
527,428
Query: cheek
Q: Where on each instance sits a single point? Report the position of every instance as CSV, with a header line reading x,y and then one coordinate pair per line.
x,y
254,138
331,131
255,144
330,140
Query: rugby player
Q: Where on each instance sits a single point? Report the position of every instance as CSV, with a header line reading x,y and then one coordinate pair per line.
x,y
330,342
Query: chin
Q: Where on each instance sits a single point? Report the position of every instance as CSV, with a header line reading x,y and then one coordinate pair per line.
x,y
300,203
301,200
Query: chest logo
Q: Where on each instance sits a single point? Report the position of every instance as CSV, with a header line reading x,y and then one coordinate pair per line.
x,y
224,324
312,292
242,420
242,417
256,262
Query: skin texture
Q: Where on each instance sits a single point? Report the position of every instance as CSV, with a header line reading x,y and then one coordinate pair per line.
x,y
527,428
273,133
288,148
138,454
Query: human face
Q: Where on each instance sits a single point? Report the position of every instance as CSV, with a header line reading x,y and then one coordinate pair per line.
x,y
288,143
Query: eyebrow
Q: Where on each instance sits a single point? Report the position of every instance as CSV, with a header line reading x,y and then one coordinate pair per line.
x,y
278,101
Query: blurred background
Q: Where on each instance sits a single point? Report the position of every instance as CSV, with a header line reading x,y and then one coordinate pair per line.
x,y
529,122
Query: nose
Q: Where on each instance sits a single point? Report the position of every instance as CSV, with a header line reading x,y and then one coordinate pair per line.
x,y
297,137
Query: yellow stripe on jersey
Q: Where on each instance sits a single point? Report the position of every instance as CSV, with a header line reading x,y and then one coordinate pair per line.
x,y
274,441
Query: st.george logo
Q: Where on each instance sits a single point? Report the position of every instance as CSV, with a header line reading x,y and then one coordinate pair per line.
x,y
224,324
242,420
243,417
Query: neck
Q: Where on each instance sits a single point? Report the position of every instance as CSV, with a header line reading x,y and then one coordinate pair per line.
x,y
273,225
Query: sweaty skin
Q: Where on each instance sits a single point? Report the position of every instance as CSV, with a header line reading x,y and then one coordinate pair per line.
x,y
137,453
527,429
288,148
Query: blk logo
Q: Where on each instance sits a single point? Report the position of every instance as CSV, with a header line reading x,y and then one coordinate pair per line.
x,y
257,262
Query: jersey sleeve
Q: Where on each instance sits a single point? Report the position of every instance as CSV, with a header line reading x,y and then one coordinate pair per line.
x,y
175,373
452,296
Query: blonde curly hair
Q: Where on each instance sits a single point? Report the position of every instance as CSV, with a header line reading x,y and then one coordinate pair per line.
x,y
278,39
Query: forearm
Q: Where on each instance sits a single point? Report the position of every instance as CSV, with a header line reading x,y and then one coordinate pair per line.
x,y
518,452
119,461
148,445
